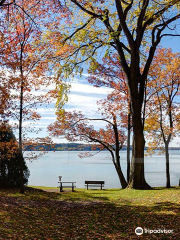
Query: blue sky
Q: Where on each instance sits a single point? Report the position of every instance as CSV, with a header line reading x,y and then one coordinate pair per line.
x,y
83,97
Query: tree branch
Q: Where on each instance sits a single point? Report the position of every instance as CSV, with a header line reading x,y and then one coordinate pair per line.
x,y
139,29
127,8
155,41
122,19
158,14
85,10
170,35
100,119
2,3
79,29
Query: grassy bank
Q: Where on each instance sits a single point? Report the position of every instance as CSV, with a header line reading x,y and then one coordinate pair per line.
x,y
44,213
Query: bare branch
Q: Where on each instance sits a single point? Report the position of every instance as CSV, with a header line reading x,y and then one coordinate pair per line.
x,y
78,29
170,35
100,119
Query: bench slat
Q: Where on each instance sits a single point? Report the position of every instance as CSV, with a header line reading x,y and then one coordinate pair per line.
x,y
95,185
67,186
94,182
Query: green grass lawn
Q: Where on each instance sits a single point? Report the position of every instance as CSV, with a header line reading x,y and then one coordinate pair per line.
x,y
45,213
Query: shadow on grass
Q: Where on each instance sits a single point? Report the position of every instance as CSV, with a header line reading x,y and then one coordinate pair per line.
x,y
167,206
164,188
54,194
45,215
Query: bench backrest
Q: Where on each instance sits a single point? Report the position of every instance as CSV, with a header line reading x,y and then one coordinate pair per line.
x,y
94,182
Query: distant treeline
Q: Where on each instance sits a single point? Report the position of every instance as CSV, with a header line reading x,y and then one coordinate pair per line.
x,y
72,147
65,147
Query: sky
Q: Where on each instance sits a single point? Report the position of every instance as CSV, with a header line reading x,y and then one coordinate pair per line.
x,y
83,97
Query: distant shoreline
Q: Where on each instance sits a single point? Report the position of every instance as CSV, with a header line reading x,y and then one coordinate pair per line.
x,y
76,147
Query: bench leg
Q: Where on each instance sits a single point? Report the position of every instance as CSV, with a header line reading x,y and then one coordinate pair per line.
x,y
101,186
61,187
72,187
87,186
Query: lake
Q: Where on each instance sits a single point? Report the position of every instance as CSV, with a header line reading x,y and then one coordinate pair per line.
x,y
45,170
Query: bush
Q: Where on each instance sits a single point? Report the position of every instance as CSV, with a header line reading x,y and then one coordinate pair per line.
x,y
10,159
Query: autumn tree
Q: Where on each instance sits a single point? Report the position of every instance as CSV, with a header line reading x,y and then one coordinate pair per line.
x,y
74,126
24,61
132,29
163,108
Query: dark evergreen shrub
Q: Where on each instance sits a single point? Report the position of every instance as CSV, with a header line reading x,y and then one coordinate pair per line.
x,y
10,159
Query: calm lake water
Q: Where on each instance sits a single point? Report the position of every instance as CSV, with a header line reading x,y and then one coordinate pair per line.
x,y
45,170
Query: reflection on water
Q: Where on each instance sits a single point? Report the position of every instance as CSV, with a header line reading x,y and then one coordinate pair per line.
x,y
45,170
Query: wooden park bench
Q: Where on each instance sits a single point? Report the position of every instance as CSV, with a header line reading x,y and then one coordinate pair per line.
x,y
67,185
94,184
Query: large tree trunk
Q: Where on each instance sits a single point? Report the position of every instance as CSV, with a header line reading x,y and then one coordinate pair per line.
x,y
168,185
137,175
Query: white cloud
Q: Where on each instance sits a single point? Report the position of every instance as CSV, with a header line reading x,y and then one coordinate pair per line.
x,y
84,88
46,111
47,118
84,97
85,104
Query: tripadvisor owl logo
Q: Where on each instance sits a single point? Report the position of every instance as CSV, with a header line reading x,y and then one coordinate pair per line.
x,y
139,231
